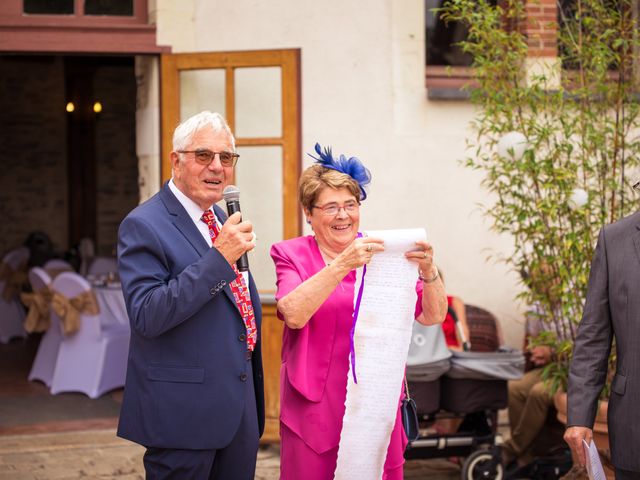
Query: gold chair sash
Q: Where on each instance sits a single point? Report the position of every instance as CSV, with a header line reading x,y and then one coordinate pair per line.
x,y
69,309
13,279
38,318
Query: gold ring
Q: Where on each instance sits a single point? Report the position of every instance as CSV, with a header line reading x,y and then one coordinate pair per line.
x,y
425,255
369,248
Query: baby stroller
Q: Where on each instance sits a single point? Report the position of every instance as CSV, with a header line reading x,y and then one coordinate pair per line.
x,y
468,385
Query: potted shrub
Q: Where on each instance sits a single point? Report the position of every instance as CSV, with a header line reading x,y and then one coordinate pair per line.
x,y
558,146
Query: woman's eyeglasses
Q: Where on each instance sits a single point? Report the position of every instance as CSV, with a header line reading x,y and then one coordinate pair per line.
x,y
205,157
332,209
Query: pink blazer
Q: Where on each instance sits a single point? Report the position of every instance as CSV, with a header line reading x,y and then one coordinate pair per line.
x,y
307,352
296,260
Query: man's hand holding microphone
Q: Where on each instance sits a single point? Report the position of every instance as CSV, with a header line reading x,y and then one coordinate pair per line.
x,y
236,237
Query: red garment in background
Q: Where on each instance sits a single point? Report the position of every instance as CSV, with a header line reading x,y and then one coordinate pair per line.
x,y
449,327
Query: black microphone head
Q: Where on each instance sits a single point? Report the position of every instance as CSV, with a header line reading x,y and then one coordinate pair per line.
x,y
231,193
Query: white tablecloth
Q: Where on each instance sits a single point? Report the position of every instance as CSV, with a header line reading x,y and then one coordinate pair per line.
x,y
112,308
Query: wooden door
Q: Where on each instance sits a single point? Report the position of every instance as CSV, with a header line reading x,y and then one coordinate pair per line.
x,y
258,92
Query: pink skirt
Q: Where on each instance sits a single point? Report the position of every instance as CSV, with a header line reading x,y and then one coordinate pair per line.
x,y
298,460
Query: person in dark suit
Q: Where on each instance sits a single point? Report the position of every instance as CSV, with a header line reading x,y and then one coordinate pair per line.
x,y
612,310
194,389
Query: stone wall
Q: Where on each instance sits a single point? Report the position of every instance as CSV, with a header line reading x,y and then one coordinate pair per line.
x,y
117,168
33,182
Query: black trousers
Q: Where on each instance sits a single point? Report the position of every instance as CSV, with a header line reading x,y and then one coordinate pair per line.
x,y
627,475
236,461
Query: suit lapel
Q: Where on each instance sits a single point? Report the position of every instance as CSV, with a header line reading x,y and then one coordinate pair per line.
x,y
182,221
186,227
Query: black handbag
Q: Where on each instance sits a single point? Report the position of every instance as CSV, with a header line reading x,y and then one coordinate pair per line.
x,y
409,415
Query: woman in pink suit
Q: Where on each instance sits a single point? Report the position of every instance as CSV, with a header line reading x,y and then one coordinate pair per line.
x,y
316,276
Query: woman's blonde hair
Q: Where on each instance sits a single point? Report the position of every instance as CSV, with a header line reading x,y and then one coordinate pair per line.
x,y
316,177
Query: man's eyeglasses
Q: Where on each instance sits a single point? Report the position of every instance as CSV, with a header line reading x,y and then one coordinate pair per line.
x,y
205,157
332,209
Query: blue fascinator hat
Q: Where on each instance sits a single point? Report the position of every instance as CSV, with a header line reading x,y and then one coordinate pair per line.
x,y
351,166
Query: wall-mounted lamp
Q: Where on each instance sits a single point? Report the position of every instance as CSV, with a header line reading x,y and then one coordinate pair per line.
x,y
97,107
70,107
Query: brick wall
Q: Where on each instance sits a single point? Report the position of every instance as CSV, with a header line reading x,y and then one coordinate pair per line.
x,y
33,148
542,27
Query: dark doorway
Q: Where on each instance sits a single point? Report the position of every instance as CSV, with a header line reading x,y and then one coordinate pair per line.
x,y
67,128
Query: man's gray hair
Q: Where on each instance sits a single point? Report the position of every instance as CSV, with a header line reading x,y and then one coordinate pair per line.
x,y
183,132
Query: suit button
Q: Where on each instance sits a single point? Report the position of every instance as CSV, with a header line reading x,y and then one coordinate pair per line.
x,y
213,291
243,377
242,337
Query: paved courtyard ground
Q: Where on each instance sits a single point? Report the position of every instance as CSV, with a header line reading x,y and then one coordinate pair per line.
x,y
99,454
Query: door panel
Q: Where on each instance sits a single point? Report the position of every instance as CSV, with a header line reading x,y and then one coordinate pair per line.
x,y
267,100
258,92
260,170
202,90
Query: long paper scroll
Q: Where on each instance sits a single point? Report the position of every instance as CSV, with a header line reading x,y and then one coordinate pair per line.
x,y
382,336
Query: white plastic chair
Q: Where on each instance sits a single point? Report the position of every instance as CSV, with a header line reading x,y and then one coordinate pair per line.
x,y
103,266
45,360
92,360
11,311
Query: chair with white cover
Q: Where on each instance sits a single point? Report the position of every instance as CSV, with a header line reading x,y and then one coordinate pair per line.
x,y
12,276
58,264
103,266
93,360
47,354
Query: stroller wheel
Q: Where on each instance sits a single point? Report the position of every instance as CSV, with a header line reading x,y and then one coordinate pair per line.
x,y
482,465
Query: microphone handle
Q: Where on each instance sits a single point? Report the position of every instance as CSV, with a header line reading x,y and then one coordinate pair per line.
x,y
242,263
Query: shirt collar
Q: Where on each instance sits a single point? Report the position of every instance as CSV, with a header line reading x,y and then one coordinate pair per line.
x,y
193,209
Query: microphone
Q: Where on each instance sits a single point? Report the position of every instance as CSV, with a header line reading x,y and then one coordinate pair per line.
x,y
231,195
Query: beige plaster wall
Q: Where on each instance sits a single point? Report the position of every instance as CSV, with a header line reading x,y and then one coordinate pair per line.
x,y
363,93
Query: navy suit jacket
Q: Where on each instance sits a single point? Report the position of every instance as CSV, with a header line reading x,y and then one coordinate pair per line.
x,y
186,374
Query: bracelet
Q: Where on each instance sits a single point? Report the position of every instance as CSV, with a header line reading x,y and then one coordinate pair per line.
x,y
429,280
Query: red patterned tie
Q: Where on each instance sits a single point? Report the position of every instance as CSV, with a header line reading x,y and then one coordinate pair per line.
x,y
238,287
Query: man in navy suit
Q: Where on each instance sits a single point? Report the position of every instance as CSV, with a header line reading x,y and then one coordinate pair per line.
x,y
194,389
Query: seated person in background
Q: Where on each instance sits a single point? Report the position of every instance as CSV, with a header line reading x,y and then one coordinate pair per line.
x,y
451,333
529,404
529,399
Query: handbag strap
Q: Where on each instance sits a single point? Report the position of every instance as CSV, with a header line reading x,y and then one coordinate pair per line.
x,y
406,389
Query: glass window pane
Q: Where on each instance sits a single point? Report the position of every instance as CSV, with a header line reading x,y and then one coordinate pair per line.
x,y
259,178
201,90
258,102
109,7
53,7
442,38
